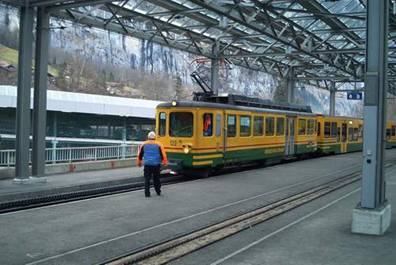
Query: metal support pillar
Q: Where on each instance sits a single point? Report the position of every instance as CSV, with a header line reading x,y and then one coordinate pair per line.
x,y
332,99
372,215
291,86
23,94
40,93
215,68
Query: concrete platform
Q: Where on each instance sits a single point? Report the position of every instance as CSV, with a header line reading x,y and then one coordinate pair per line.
x,y
94,230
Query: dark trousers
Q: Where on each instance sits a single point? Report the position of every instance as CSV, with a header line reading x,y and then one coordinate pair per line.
x,y
154,172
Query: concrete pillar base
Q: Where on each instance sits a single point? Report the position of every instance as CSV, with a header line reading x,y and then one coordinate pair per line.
x,y
371,221
30,180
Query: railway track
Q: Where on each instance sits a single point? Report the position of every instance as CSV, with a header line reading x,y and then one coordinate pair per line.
x,y
180,246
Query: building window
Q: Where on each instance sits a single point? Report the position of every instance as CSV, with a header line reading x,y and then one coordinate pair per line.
x,y
302,124
269,126
162,124
280,126
258,126
231,126
244,126
208,124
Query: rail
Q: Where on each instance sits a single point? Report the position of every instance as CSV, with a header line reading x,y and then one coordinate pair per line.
x,y
75,154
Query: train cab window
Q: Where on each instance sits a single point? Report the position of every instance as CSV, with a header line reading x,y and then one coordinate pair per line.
x,y
302,126
181,124
231,126
318,128
327,129
311,127
280,126
245,127
218,124
258,126
393,130
269,126
162,124
207,124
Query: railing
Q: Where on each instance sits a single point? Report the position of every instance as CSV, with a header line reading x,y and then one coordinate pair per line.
x,y
75,154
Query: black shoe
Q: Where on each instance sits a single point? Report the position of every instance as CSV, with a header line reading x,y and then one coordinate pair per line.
x,y
159,193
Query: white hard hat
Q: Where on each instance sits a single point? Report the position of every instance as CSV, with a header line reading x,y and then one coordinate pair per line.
x,y
151,135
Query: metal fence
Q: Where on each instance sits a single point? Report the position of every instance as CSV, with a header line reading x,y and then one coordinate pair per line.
x,y
75,154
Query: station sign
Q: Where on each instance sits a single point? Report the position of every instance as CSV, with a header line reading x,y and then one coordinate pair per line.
x,y
354,95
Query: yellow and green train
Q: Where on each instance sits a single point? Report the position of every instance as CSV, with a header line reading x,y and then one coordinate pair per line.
x,y
203,136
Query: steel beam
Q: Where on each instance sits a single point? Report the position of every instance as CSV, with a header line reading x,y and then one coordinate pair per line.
x,y
215,68
23,93
333,91
40,93
291,86
372,216
373,189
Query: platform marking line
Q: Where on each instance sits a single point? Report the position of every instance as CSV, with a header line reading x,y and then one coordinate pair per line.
x,y
283,228
167,223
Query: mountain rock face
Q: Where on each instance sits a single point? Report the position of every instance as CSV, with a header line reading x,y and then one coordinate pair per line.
x,y
145,67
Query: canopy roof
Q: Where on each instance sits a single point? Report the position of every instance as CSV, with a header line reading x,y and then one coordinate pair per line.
x,y
321,40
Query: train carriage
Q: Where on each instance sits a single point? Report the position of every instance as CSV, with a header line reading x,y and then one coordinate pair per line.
x,y
200,136
390,134
337,135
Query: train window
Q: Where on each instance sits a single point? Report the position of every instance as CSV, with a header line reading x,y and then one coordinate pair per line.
x,y
388,133
355,134
334,130
280,126
350,134
393,130
231,125
162,124
327,129
311,127
318,128
269,126
245,126
218,124
181,124
360,133
258,126
207,124
302,126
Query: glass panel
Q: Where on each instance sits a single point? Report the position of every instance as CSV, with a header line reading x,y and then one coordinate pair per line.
x,y
355,134
162,124
350,134
258,127
280,126
318,128
393,130
244,126
208,124
311,126
231,126
327,129
218,125
302,124
181,124
388,133
269,126
334,130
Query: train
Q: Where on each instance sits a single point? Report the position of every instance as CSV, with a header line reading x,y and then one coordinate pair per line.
x,y
202,137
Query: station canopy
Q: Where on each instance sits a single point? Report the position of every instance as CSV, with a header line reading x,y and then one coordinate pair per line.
x,y
321,40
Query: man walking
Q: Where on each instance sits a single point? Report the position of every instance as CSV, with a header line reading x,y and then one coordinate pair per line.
x,y
152,153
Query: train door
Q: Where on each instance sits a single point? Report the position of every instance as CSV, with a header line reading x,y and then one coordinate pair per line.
x,y
344,129
290,135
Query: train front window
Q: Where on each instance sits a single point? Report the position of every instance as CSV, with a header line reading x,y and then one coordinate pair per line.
x,y
181,124
162,124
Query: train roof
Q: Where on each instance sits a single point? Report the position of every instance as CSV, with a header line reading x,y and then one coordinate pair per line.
x,y
199,104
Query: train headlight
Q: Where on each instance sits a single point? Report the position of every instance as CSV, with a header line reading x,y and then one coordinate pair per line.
x,y
174,103
186,149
